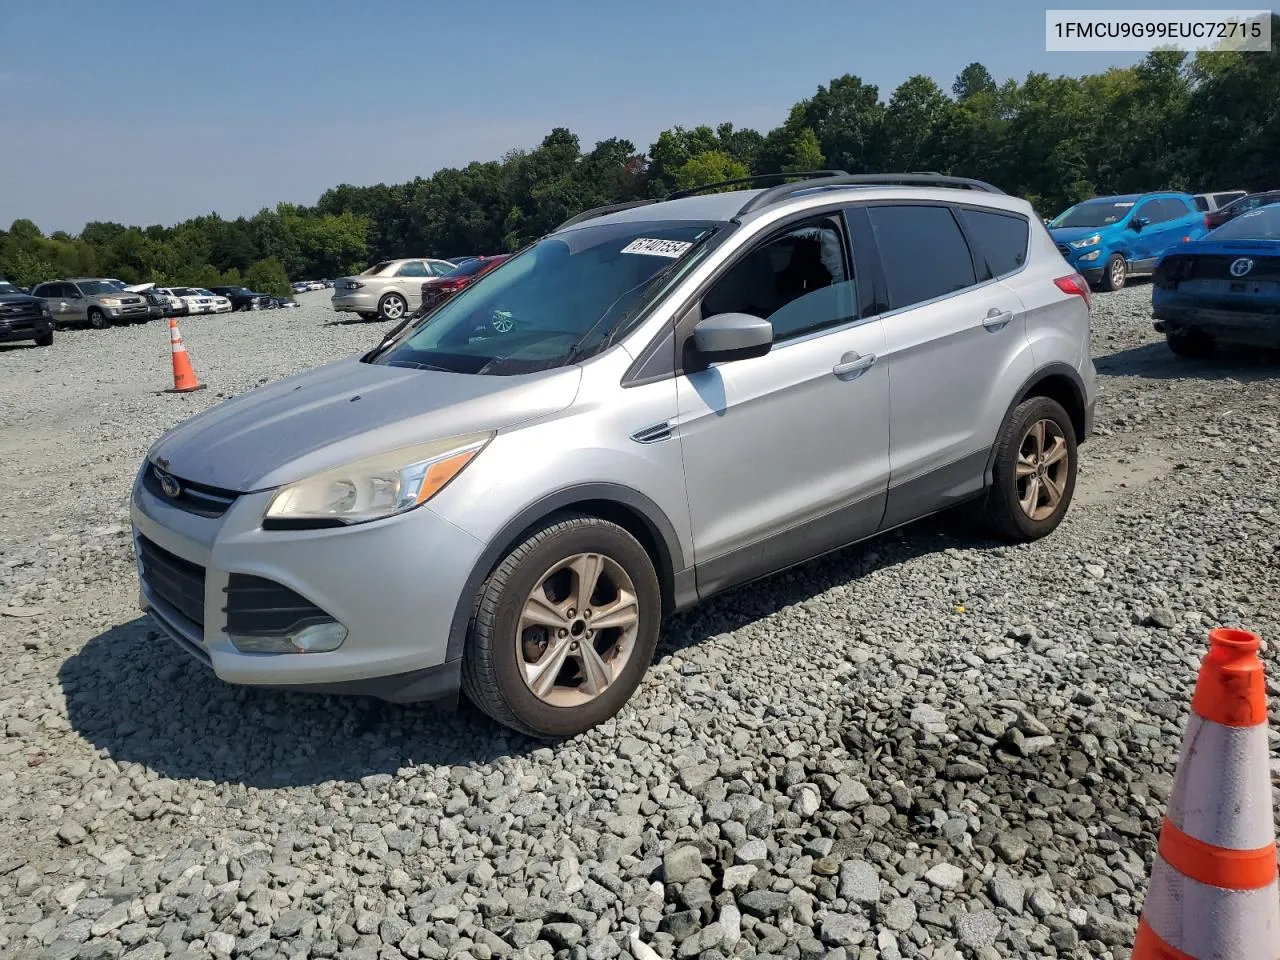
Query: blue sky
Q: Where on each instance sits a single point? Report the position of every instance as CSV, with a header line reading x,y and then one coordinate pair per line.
x,y
152,111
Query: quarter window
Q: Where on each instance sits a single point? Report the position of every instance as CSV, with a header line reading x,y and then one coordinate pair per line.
x,y
1001,239
922,251
799,281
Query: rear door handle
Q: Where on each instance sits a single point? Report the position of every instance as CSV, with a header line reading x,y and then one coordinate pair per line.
x,y
996,319
852,365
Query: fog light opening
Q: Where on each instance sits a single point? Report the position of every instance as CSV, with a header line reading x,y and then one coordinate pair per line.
x,y
315,638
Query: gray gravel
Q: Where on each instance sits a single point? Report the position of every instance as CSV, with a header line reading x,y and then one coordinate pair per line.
x,y
930,746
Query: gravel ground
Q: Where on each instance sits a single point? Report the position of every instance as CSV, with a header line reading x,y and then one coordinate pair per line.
x,y
930,746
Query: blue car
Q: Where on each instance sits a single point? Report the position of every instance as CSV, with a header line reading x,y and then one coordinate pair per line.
x,y
1110,239
1222,289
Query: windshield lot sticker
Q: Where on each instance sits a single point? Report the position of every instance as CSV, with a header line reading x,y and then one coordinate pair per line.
x,y
657,248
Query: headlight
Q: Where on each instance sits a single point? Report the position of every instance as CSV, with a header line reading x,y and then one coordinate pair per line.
x,y
375,487
111,301
1085,242
1090,256
44,311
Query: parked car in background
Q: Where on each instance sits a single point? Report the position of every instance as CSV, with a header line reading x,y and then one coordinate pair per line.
x,y
158,304
242,298
197,299
315,285
1110,239
284,303
24,317
389,290
92,300
177,306
642,409
299,286
1223,288
439,289
1208,202
1232,210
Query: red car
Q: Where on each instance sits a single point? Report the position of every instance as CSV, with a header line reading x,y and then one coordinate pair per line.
x,y
439,289
1216,218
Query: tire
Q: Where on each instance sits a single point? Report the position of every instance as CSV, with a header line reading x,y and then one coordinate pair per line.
x,y
97,319
1005,513
368,316
1115,275
503,646
392,307
45,340
1192,343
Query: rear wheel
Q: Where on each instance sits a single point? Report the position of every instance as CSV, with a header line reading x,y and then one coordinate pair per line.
x,y
392,307
97,319
564,628
1034,474
368,316
1190,343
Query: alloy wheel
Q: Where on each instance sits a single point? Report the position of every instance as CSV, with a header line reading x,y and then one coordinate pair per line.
x,y
1117,273
577,629
393,308
1041,470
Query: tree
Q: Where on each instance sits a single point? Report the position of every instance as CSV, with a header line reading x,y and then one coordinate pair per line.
x,y
806,154
972,81
268,276
710,167
916,111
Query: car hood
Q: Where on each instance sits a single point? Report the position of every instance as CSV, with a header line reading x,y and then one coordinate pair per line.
x,y
19,298
1067,234
344,411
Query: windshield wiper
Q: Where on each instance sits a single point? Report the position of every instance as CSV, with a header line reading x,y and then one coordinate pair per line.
x,y
419,366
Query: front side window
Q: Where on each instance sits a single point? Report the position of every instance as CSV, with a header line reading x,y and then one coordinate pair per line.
x,y
922,252
414,268
1001,239
562,298
799,281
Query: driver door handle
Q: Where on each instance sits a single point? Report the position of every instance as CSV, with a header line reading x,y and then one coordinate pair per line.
x,y
996,319
853,365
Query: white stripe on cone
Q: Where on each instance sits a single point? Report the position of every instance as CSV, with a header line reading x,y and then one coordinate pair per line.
x,y
1210,923
1223,792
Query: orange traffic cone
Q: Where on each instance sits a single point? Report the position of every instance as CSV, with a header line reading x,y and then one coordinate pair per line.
x,y
184,378
1213,892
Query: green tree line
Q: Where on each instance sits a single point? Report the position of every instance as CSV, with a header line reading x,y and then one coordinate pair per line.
x,y
1172,121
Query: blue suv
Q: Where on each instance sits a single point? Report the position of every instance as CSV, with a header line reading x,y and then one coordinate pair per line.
x,y
1109,239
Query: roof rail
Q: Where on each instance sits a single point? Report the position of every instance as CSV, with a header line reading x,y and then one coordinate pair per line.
x,y
694,191
601,211
783,191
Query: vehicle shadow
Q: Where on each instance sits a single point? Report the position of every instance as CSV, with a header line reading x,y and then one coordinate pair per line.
x,y
18,347
1155,361
133,694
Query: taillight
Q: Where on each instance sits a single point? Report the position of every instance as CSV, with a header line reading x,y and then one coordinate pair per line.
x,y
454,285
1075,285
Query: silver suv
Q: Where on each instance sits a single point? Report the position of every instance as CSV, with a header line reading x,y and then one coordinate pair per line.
x,y
97,302
387,291
655,402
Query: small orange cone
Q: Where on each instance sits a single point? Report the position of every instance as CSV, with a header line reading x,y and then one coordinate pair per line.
x,y
184,378
1213,892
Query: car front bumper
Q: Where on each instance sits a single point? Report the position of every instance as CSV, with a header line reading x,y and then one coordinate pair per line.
x,y
1255,328
25,328
133,312
395,585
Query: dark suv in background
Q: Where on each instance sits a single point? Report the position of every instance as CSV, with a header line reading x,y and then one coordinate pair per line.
x,y
23,317
242,298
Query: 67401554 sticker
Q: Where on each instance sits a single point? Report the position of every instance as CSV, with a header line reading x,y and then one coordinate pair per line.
x,y
657,248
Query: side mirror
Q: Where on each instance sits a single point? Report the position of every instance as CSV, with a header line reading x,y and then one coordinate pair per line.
x,y
732,336
1137,223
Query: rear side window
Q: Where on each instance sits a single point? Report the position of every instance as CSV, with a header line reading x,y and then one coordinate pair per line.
x,y
414,268
922,251
1000,238
1201,203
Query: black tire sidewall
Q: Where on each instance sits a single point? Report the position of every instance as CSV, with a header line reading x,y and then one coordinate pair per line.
x,y
584,537
382,306
1005,480
97,319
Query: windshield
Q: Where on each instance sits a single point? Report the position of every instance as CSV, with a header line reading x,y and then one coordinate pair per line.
x,y
96,288
560,299
1260,224
7,287
1094,213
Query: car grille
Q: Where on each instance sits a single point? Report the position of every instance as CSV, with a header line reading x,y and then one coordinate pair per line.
x,y
178,583
18,311
128,300
263,608
197,498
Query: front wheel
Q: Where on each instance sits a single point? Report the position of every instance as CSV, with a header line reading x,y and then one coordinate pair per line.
x,y
1116,273
97,319
392,307
1034,474
45,339
564,629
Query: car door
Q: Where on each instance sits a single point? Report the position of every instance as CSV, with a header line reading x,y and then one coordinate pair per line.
x,y
955,348
77,304
408,281
786,454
